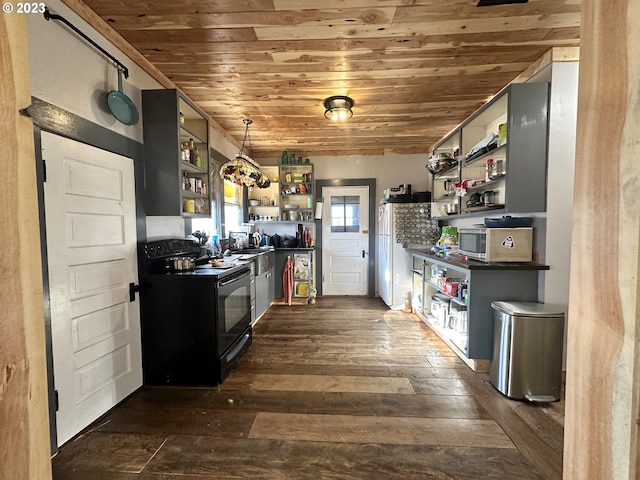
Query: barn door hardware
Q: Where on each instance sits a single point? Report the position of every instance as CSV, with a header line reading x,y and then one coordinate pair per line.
x,y
52,16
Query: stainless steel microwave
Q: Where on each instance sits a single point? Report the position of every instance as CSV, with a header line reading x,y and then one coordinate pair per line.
x,y
496,244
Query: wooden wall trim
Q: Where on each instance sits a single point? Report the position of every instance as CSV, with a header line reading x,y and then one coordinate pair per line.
x,y
104,29
558,54
603,325
24,443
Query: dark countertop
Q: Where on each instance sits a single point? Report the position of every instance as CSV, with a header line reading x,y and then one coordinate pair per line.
x,y
258,251
456,261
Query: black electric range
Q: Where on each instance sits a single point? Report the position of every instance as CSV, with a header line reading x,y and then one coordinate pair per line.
x,y
196,322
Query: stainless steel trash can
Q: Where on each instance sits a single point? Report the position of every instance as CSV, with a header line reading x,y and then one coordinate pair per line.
x,y
527,350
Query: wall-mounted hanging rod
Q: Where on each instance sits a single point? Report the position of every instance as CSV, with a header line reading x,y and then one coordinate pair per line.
x,y
52,16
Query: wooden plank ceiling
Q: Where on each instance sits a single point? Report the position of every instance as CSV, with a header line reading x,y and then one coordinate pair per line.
x,y
415,68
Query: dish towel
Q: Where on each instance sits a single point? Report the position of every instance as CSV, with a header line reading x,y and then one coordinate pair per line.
x,y
287,280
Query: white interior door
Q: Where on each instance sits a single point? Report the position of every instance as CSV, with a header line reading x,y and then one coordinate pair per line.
x,y
91,244
345,240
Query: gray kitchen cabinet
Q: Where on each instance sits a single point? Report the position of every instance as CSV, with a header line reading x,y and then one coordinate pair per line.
x,y
252,289
296,192
519,184
302,272
272,284
472,339
264,282
281,259
262,293
177,178
267,199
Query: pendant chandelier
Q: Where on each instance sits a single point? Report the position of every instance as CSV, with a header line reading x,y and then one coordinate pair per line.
x,y
243,170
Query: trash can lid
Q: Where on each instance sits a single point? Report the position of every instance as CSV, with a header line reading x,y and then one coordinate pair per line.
x,y
528,309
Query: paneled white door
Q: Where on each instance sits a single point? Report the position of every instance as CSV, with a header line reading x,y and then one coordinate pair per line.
x,y
91,247
345,240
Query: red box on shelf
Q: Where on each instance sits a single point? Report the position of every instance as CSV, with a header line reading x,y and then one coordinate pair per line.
x,y
450,286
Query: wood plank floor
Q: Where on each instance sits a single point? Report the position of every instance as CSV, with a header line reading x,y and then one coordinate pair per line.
x,y
344,389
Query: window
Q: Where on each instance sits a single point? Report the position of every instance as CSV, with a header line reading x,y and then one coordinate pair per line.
x,y
233,217
345,213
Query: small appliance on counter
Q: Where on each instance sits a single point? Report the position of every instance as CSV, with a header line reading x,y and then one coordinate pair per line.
x,y
401,193
496,244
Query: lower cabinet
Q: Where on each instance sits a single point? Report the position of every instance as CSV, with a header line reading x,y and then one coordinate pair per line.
x,y
264,292
264,283
281,260
454,299
301,260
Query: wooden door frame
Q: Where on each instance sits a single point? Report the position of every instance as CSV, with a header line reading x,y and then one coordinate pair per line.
x,y
371,264
603,380
24,444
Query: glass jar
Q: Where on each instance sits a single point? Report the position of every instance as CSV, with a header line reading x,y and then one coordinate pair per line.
x,y
488,170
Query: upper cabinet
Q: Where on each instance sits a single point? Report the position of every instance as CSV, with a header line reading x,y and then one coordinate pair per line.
x,y
502,156
176,144
289,198
264,203
296,192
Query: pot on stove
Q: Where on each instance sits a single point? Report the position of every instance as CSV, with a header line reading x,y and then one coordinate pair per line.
x,y
181,264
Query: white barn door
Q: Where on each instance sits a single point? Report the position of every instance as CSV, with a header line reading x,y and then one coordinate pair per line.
x,y
91,247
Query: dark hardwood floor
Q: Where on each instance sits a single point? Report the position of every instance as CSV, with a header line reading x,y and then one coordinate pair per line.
x,y
344,389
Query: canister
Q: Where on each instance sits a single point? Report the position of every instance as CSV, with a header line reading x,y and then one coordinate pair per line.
x,y
440,308
189,206
458,317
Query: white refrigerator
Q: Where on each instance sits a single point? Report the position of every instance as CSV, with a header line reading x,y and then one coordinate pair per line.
x,y
394,262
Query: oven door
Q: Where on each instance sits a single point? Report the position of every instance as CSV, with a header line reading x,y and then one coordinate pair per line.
x,y
234,308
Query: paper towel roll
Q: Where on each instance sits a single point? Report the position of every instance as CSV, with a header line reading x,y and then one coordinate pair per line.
x,y
318,215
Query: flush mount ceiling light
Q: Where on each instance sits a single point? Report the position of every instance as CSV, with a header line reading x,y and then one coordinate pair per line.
x,y
338,107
